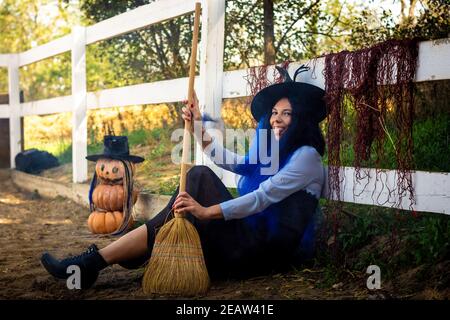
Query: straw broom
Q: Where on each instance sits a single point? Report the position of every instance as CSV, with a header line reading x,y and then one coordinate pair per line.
x,y
177,265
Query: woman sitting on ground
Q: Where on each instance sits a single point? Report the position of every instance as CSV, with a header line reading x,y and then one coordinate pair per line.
x,y
270,226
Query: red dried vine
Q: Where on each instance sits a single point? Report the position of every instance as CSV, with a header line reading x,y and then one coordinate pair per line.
x,y
257,79
377,82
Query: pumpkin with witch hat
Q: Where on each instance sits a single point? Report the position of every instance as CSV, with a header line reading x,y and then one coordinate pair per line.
x,y
113,193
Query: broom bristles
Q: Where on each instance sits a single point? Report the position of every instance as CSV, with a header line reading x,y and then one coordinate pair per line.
x,y
177,266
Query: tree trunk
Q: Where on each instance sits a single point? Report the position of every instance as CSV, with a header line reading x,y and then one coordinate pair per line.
x,y
269,34
407,11
402,9
411,8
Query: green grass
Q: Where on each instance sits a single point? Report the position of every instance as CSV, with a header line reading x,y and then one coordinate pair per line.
x,y
431,138
137,137
169,187
393,240
61,149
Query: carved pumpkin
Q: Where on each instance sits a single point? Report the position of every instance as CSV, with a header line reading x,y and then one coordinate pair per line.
x,y
111,170
106,222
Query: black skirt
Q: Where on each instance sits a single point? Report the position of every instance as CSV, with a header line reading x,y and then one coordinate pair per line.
x,y
239,248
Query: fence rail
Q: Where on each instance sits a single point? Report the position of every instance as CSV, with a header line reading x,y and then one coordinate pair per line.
x,y
430,68
212,85
4,111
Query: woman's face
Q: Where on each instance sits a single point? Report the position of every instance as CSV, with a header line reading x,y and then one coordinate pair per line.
x,y
281,117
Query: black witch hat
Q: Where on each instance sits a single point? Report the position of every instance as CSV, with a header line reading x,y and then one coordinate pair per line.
x,y
310,97
115,147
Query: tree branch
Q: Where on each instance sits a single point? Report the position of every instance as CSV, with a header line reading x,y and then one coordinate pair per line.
x,y
337,19
160,53
300,16
245,16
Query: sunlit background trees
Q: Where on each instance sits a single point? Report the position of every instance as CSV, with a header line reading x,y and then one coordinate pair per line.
x,y
257,32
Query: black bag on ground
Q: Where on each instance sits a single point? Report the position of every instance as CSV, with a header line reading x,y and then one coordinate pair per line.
x,y
34,161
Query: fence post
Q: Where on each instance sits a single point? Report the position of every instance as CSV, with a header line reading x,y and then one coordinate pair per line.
x,y
79,105
211,66
15,126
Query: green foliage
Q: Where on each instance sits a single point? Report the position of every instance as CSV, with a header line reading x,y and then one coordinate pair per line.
x,y
234,192
95,147
158,151
60,148
157,134
159,140
431,23
431,138
303,30
137,137
431,143
28,23
100,70
358,233
169,187
48,78
429,239
3,80
154,53
391,239
244,35
64,152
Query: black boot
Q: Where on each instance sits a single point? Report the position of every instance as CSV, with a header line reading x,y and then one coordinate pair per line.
x,y
90,263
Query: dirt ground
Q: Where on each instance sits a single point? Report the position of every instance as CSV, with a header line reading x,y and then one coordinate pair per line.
x,y
30,225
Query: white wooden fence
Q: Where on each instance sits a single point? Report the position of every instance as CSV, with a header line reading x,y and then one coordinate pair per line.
x,y
212,85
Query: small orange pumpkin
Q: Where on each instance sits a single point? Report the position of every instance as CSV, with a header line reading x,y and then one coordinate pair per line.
x,y
108,197
111,170
106,222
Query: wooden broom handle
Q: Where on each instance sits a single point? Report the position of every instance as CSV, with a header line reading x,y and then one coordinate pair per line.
x,y
186,137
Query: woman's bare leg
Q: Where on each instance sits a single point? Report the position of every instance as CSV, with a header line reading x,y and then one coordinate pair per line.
x,y
131,245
